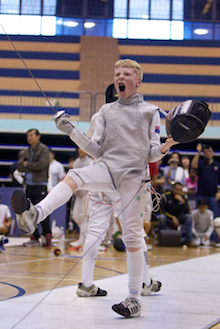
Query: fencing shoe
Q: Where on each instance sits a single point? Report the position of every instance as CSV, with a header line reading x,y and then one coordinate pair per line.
x,y
131,307
92,291
155,286
26,213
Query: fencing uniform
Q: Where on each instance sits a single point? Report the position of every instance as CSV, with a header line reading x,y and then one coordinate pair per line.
x,y
120,173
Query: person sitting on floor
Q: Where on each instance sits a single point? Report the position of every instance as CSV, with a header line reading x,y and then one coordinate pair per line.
x,y
203,223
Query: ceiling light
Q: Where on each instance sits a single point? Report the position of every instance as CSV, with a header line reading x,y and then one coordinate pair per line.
x,y
89,25
70,24
201,31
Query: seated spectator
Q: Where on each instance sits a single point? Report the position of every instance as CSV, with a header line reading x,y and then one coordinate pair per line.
x,y
5,219
202,223
173,172
174,212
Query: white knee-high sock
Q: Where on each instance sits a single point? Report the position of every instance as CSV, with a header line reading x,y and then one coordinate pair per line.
x,y
146,273
90,251
59,195
135,264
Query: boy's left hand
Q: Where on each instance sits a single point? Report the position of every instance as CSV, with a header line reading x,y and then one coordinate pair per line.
x,y
167,145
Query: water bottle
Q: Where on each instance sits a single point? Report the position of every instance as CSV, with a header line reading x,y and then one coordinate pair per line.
x,y
48,241
61,244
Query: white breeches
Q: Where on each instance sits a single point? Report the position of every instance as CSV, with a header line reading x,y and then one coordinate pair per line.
x,y
127,201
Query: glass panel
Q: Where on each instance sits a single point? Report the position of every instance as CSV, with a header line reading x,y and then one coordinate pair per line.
x,y
30,25
138,29
177,30
120,28
217,31
160,9
187,30
49,7
71,8
100,8
203,10
139,9
188,9
177,9
217,12
120,8
10,24
95,27
31,7
48,25
202,31
59,26
10,6
72,26
160,30
109,28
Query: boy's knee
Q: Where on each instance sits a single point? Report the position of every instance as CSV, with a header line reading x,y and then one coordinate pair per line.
x,y
132,244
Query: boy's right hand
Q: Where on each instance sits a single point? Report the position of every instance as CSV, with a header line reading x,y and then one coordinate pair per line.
x,y
62,122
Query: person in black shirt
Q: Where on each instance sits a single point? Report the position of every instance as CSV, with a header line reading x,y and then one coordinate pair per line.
x,y
174,212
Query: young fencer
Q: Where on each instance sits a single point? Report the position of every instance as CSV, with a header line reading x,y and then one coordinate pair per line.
x,y
126,139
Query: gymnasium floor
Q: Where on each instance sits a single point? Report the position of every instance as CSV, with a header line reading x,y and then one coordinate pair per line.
x,y
189,298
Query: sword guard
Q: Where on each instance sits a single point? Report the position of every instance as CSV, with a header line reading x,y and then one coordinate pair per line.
x,y
59,114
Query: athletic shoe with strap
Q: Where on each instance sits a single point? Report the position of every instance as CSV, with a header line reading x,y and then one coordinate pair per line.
x,y
154,287
131,307
92,291
26,213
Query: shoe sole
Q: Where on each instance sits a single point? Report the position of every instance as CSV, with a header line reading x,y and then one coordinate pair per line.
x,y
19,201
120,311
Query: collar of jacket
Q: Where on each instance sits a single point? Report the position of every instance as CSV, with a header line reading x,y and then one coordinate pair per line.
x,y
132,99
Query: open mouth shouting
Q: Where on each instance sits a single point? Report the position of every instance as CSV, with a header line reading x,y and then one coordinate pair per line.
x,y
121,88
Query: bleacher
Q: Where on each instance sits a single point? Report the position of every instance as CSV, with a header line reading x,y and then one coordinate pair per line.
x,y
173,71
51,64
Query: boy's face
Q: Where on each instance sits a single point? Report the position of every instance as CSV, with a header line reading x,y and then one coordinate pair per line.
x,y
126,82
203,207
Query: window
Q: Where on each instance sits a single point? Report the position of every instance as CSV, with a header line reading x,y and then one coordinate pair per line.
x,y
120,28
177,9
120,8
10,6
31,7
48,26
138,29
139,9
49,7
160,9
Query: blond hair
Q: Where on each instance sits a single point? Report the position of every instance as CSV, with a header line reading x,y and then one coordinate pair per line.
x,y
130,63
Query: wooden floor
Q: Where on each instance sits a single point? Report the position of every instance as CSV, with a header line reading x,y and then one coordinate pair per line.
x,y
45,289
37,269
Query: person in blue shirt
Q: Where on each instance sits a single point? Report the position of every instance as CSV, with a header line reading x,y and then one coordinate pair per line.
x,y
208,171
